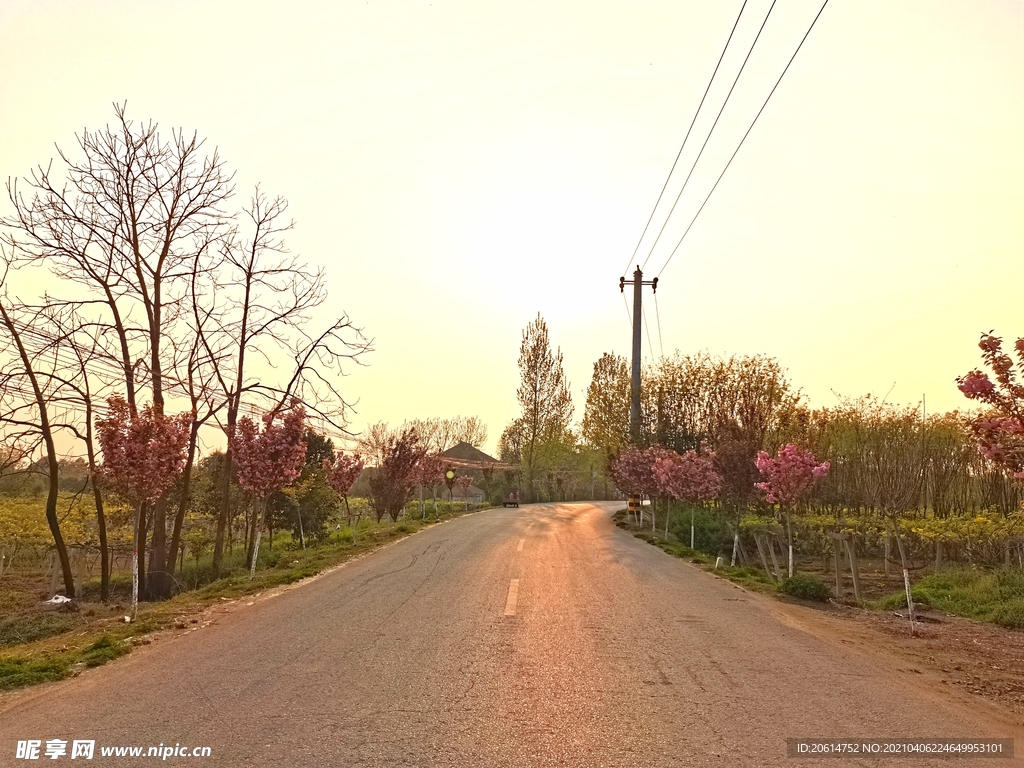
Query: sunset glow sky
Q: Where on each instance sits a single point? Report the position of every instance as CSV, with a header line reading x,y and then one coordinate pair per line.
x,y
459,167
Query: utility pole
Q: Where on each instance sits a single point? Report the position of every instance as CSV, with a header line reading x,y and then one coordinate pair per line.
x,y
638,284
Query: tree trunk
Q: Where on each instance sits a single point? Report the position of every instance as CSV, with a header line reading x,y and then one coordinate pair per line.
x,y
225,505
101,524
136,580
186,477
140,547
256,539
348,511
159,581
789,539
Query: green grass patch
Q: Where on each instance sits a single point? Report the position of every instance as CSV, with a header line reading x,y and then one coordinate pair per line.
x,y
993,596
103,650
27,627
19,672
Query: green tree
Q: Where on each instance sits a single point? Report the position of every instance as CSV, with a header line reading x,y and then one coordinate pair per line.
x,y
545,403
606,416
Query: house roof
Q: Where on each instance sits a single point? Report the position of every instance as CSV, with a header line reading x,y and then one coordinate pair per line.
x,y
465,452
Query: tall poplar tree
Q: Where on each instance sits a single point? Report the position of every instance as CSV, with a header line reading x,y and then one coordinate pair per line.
x,y
544,400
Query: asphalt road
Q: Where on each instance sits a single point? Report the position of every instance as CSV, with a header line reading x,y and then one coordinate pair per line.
x,y
536,636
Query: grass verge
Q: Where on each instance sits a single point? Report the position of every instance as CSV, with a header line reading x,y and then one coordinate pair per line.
x,y
992,596
996,597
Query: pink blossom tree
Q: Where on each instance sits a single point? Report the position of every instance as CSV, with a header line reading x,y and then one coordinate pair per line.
x,y
1000,433
691,477
394,480
430,474
267,461
789,477
143,453
341,476
632,472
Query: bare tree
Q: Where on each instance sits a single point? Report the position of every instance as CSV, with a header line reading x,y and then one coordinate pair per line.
x,y
265,298
126,223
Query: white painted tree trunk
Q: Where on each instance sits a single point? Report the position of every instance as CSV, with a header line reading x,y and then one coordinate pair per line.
x,y
789,537
135,583
259,535
135,566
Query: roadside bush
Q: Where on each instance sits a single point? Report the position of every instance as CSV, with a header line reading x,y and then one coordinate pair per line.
x,y
806,587
1010,614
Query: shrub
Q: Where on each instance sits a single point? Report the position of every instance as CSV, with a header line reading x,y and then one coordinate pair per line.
x,y
806,587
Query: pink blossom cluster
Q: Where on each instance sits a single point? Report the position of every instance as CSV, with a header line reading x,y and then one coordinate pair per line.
x,y
269,460
342,475
976,384
430,470
142,452
691,477
659,471
790,476
633,470
1001,436
1000,441
464,481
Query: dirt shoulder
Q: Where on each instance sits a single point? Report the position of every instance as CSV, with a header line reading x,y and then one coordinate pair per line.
x,y
954,655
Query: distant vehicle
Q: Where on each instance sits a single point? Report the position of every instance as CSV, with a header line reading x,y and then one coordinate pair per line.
x,y
511,499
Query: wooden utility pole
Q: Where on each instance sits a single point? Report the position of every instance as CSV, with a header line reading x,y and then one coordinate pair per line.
x,y
638,283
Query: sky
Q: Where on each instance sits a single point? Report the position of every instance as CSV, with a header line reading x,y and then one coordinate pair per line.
x,y
460,167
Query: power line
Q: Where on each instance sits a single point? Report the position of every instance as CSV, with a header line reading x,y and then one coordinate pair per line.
x,y
657,316
680,152
625,304
710,132
732,157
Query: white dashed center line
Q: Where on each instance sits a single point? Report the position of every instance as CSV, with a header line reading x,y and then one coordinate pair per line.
x,y
520,547
513,596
